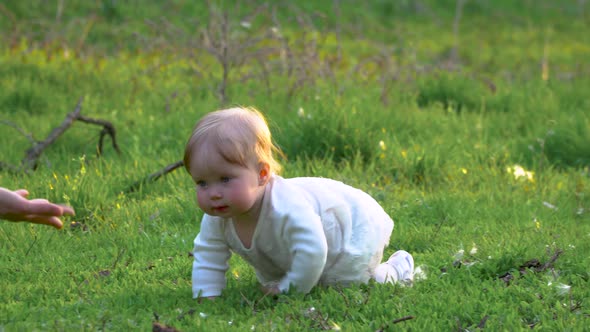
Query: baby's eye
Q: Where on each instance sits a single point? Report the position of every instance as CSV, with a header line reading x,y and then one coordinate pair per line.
x,y
225,179
201,184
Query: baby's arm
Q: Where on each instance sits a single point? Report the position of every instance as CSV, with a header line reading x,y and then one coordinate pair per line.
x,y
309,249
211,255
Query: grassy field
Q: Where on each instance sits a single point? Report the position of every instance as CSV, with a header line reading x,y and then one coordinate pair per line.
x,y
469,121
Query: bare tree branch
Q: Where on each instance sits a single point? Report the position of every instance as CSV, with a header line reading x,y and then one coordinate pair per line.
x,y
33,153
108,129
155,176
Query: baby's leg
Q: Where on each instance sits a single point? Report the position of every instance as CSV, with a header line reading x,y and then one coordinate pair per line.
x,y
398,268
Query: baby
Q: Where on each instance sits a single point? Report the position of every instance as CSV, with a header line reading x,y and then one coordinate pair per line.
x,y
296,233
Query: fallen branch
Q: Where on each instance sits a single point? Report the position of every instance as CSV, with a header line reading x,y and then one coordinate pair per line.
x,y
154,176
395,321
108,129
533,265
32,154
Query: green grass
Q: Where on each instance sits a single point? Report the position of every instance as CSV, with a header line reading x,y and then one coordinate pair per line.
x,y
430,136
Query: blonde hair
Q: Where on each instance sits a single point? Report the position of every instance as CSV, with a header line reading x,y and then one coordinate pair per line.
x,y
240,135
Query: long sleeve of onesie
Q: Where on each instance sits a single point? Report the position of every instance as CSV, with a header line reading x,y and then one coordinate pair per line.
x,y
211,255
305,237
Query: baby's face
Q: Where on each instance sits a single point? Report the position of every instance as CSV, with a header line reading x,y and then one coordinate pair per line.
x,y
225,189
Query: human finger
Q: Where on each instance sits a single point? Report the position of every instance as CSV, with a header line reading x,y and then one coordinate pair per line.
x,y
67,210
44,208
22,192
45,220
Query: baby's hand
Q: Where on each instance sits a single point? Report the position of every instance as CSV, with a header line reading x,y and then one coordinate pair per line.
x,y
274,290
210,298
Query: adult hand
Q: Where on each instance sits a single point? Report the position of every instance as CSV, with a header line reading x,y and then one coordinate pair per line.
x,y
14,206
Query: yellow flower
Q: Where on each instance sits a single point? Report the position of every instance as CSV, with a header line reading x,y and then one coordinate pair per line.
x,y
537,223
463,170
335,327
519,172
382,145
301,112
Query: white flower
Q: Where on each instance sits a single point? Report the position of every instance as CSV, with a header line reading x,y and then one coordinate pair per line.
x,y
549,205
419,274
519,172
276,32
301,112
246,24
473,250
203,315
563,289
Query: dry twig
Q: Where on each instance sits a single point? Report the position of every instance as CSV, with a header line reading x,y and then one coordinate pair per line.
x,y
33,154
154,176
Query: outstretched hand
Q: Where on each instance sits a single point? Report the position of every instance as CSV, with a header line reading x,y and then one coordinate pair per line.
x,y
14,206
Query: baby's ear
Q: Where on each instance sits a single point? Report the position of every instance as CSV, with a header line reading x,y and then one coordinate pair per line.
x,y
263,173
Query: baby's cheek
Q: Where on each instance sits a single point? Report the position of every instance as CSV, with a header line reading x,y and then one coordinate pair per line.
x,y
241,200
201,202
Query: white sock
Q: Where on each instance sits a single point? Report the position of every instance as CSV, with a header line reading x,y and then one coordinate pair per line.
x,y
385,273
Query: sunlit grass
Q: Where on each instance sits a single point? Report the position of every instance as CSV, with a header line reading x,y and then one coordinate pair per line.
x,y
480,181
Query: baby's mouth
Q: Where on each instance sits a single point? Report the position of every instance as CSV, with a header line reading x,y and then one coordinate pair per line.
x,y
220,209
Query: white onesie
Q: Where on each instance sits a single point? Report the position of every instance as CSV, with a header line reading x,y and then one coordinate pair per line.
x,y
310,231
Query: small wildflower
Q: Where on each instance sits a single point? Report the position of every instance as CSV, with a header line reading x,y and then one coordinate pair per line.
x,y
335,327
419,274
463,170
246,24
563,289
404,154
236,274
382,145
549,205
520,172
537,223
301,112
203,315
276,31
473,250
